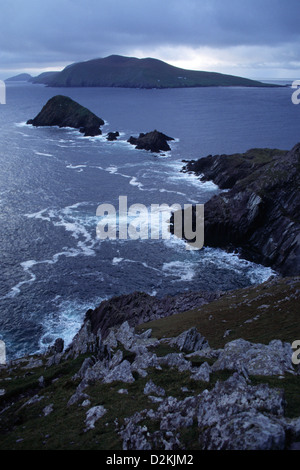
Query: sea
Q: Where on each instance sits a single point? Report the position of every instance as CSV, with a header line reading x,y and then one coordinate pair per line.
x,y
54,267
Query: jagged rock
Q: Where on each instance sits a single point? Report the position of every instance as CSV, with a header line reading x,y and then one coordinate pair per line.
x,y
120,373
233,415
236,416
111,136
293,428
32,400
62,111
134,436
206,353
54,360
48,409
85,341
203,373
144,361
111,340
85,403
87,364
190,340
154,141
150,388
57,347
257,359
177,361
125,335
33,363
76,397
93,415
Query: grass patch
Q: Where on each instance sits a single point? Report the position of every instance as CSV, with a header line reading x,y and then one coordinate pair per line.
x,y
258,314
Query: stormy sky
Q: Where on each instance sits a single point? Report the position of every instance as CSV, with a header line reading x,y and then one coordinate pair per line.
x,y
251,38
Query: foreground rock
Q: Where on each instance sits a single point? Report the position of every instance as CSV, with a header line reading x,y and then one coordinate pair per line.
x,y
62,111
259,212
154,141
232,416
225,414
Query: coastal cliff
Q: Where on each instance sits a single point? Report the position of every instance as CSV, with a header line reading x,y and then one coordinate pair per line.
x,y
258,213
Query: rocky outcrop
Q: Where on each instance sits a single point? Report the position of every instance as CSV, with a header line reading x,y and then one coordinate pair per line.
x,y
154,141
111,136
139,307
62,111
259,211
234,414
230,412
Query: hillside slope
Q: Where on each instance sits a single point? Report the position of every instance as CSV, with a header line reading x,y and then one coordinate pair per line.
x,y
217,377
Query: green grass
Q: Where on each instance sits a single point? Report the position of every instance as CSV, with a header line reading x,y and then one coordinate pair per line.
x,y
276,308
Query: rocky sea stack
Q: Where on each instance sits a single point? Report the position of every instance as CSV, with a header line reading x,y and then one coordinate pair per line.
x,y
154,141
62,111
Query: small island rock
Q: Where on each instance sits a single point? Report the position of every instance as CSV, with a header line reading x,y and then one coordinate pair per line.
x,y
154,141
62,111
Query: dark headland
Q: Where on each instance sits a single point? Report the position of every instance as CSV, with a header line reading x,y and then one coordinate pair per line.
x,y
258,214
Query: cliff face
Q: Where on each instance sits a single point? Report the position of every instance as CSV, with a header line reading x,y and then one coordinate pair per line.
x,y
62,111
259,212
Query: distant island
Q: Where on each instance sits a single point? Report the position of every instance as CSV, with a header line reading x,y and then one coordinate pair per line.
x,y
130,72
21,77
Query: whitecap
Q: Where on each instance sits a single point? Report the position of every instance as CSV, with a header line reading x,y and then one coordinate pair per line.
x,y
76,167
44,154
183,270
65,322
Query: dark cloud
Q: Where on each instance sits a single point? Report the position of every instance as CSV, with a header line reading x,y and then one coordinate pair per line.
x,y
46,33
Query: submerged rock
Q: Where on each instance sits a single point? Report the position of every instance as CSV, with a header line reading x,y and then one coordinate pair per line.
x,y
62,111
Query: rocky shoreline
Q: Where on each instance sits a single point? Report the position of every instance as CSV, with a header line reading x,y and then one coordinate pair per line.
x,y
257,211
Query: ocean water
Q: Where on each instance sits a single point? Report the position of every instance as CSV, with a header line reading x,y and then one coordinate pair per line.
x,y
53,266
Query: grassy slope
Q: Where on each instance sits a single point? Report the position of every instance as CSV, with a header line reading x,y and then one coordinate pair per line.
x,y
258,313
26,427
